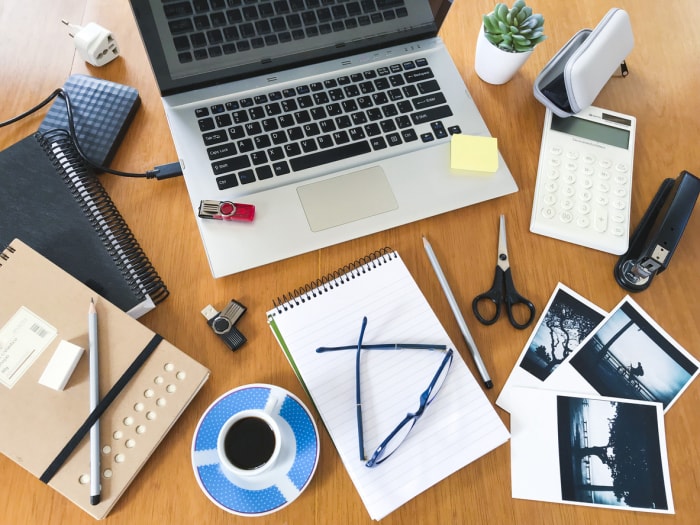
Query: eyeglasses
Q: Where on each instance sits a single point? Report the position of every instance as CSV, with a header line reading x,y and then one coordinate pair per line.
x,y
401,431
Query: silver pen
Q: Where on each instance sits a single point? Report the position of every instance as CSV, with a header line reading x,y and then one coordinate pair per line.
x,y
471,345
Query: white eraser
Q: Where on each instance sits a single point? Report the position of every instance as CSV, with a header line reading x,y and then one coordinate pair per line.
x,y
61,365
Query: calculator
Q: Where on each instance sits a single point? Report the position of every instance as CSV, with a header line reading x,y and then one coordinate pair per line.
x,y
583,190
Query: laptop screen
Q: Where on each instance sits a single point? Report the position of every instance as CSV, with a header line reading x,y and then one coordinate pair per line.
x,y
194,43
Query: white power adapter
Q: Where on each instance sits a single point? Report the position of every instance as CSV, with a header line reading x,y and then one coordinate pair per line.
x,y
95,44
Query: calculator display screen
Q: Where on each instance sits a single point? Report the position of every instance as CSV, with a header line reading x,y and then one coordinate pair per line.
x,y
588,129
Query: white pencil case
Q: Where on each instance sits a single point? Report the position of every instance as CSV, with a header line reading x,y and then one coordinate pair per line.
x,y
572,79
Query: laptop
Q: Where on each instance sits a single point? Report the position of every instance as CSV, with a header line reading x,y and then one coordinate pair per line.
x,y
332,117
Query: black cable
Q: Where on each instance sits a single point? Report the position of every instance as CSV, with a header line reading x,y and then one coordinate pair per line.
x,y
159,172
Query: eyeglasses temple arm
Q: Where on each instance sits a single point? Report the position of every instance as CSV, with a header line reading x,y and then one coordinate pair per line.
x,y
384,346
360,434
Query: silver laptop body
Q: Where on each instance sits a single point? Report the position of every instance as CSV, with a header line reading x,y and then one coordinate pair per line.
x,y
315,177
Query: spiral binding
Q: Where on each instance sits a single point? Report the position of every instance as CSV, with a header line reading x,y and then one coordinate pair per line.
x,y
6,253
332,280
98,207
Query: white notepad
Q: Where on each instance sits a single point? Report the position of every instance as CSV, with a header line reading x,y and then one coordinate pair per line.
x,y
458,427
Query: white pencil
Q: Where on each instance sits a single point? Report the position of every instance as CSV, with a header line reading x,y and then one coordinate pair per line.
x,y
94,400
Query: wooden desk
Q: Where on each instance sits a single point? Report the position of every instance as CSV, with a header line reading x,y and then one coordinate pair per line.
x,y
36,56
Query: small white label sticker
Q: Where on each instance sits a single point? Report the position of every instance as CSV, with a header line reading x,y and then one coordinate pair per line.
x,y
22,339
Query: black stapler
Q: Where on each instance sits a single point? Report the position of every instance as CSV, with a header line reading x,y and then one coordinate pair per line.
x,y
658,233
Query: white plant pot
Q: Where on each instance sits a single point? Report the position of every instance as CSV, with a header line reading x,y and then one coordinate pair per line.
x,y
494,65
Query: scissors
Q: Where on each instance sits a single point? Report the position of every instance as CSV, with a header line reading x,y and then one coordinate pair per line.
x,y
503,291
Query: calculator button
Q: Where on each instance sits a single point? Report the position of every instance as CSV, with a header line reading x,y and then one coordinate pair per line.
x,y
620,179
600,220
548,212
566,216
555,162
566,204
605,163
585,195
620,192
604,175
621,167
571,166
587,171
555,150
551,186
553,175
550,199
617,216
587,184
568,191
618,231
619,204
601,200
572,155
582,221
570,178
588,159
603,187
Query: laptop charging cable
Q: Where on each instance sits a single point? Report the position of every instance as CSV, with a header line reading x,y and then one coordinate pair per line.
x,y
161,172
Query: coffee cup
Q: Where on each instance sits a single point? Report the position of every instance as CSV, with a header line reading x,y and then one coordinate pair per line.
x,y
249,443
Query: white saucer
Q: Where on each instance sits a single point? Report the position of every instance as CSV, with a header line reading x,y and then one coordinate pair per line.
x,y
278,486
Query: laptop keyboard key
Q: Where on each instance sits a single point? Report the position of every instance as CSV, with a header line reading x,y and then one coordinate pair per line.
x,y
427,101
222,151
329,155
378,143
215,137
226,182
264,172
428,86
292,149
230,165
206,124
236,132
247,176
281,168
431,114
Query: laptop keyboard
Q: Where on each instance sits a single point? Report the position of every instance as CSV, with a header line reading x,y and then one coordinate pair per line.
x,y
281,132
204,29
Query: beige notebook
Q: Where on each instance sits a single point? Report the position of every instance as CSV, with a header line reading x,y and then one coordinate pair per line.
x,y
43,305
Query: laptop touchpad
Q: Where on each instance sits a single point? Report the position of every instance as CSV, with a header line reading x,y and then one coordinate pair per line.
x,y
346,198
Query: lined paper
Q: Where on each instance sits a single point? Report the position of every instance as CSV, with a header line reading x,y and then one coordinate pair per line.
x,y
458,427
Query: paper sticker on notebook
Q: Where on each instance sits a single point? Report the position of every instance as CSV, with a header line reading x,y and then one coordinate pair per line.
x,y
472,153
22,339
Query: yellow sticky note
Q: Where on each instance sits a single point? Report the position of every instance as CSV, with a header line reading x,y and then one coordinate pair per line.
x,y
471,153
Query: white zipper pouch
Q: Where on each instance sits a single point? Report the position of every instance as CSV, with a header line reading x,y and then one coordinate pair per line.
x,y
572,79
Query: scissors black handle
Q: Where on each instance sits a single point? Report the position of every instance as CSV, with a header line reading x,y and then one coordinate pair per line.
x,y
503,291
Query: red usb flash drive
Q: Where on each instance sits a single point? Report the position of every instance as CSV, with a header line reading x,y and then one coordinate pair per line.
x,y
226,211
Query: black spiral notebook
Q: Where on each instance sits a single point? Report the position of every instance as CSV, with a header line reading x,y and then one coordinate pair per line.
x,y
51,201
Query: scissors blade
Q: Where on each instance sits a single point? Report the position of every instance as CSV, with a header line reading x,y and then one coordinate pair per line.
x,y
502,261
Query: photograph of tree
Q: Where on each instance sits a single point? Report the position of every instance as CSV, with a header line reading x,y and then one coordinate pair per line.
x,y
629,357
610,453
567,321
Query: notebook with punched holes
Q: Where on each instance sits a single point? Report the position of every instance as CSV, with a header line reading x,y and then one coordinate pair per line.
x,y
332,117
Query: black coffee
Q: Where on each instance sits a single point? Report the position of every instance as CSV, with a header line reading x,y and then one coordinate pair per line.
x,y
249,443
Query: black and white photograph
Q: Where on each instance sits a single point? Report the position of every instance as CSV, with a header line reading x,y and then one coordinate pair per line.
x,y
610,453
590,450
629,356
565,322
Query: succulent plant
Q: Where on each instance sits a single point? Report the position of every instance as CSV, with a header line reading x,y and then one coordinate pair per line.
x,y
516,29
